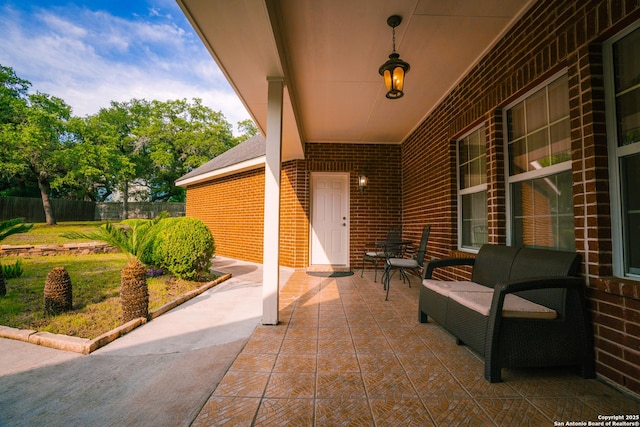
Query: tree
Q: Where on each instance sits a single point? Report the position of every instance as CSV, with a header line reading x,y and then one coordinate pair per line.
x,y
99,160
247,129
87,163
13,105
180,137
33,146
114,132
13,95
134,144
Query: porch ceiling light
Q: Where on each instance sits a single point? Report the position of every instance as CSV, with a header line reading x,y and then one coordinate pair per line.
x,y
395,68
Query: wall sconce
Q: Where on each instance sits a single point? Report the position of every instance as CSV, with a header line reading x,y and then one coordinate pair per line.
x,y
362,183
395,68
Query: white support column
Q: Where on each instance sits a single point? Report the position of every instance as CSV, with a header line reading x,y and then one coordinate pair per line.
x,y
271,257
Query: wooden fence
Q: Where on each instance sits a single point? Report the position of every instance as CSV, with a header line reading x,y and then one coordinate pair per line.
x,y
32,211
76,210
144,210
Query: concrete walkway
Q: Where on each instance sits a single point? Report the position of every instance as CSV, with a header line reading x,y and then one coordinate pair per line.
x,y
160,374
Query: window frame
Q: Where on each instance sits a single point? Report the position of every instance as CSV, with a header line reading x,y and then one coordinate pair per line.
x,y
528,175
616,154
469,190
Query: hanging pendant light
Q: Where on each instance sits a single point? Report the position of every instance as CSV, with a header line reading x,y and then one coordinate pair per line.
x,y
395,68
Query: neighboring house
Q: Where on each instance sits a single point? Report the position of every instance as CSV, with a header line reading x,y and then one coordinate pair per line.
x,y
520,125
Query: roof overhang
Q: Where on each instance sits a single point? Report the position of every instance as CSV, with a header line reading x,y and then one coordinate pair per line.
x,y
329,51
247,165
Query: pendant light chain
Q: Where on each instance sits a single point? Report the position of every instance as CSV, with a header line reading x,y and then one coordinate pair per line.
x,y
393,31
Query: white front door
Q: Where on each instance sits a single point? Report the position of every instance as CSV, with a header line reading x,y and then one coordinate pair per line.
x,y
330,219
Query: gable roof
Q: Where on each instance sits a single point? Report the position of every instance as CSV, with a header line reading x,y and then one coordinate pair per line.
x,y
244,156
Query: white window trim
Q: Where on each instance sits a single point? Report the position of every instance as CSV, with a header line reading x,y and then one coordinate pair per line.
x,y
549,170
541,173
615,153
469,190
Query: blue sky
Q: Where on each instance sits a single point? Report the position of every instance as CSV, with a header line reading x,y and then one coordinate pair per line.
x,y
91,52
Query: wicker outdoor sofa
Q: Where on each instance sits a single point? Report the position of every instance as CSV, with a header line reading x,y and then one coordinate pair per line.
x,y
522,308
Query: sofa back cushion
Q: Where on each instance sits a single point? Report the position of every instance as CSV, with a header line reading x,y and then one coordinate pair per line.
x,y
493,264
542,262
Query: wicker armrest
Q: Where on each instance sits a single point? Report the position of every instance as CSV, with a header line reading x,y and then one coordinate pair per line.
x,y
446,262
548,282
494,323
512,286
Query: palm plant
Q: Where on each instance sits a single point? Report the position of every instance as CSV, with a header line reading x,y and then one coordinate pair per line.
x,y
7,228
133,240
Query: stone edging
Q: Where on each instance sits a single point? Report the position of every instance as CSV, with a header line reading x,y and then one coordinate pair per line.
x,y
62,249
85,345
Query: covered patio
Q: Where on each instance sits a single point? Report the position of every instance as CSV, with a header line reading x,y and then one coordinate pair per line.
x,y
519,126
341,355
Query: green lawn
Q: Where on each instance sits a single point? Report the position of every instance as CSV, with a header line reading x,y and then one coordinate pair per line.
x,y
95,280
43,234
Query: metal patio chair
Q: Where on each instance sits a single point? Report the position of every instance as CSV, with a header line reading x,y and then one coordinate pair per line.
x,y
380,250
412,265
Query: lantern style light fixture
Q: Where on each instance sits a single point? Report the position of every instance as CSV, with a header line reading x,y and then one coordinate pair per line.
x,y
363,181
395,68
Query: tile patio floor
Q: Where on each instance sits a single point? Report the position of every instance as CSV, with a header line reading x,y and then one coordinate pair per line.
x,y
342,355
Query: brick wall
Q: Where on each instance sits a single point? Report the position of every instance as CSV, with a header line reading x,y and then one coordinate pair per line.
x,y
294,223
380,206
233,209
550,37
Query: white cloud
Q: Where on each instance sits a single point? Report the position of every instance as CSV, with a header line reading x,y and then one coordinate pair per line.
x,y
63,26
90,58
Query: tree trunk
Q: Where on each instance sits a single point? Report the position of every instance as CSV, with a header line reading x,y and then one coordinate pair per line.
x,y
134,293
125,201
45,189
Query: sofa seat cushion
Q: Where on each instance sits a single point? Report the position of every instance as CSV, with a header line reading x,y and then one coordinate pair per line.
x,y
445,287
514,306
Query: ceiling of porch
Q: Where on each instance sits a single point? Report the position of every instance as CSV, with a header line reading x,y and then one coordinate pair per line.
x,y
329,52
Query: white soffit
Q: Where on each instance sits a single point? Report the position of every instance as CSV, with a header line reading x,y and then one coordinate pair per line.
x,y
329,52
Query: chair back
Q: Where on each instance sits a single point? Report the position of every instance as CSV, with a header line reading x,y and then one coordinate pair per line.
x,y
422,249
394,234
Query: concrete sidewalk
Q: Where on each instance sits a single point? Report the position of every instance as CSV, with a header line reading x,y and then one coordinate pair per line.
x,y
161,373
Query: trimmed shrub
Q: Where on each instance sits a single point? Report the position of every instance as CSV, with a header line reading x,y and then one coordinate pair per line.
x,y
146,254
183,246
